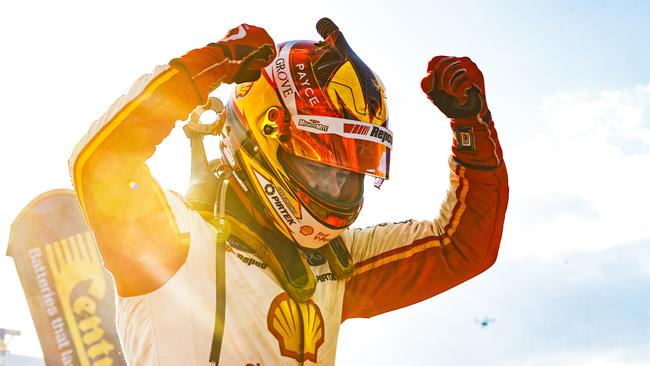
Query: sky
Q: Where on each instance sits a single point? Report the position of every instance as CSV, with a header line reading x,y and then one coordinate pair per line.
x,y
567,82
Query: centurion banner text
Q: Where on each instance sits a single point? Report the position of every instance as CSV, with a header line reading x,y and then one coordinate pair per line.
x,y
70,294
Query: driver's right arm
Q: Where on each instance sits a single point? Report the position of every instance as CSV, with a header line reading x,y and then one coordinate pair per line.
x,y
126,209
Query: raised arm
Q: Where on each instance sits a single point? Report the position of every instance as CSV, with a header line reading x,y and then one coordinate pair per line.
x,y
127,210
403,263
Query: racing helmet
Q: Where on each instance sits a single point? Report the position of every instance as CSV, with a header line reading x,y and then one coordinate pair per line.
x,y
316,101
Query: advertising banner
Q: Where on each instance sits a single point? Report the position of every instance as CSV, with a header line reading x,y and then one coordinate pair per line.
x,y
70,295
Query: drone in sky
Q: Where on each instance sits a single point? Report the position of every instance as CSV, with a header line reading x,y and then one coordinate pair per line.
x,y
485,322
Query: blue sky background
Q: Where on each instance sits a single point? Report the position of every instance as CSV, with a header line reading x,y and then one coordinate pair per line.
x,y
568,84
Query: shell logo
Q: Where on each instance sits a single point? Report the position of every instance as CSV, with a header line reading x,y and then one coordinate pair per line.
x,y
298,327
306,230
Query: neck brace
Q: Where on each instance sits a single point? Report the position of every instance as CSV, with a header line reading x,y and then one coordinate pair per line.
x,y
283,256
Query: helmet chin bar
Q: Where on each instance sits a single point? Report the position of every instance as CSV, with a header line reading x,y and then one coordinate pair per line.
x,y
289,215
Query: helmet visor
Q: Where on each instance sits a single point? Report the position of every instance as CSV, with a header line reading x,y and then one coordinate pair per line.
x,y
348,144
340,188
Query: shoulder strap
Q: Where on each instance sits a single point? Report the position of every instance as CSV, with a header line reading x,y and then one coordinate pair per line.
x,y
283,257
338,258
202,195
223,232
220,298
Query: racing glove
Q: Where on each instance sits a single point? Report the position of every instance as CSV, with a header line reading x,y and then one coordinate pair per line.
x,y
455,85
238,58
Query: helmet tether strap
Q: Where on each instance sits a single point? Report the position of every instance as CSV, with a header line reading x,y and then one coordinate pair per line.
x,y
223,232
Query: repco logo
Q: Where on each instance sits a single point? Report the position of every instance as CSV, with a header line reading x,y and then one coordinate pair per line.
x,y
381,135
367,130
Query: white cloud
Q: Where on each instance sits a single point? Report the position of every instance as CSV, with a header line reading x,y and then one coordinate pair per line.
x,y
611,115
609,357
588,308
579,182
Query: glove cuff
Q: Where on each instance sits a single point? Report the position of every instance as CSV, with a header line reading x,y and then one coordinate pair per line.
x,y
476,143
207,67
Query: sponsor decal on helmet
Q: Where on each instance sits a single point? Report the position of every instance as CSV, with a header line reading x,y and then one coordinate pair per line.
x,y
380,135
355,128
277,202
321,236
288,202
305,86
306,230
283,79
312,123
346,128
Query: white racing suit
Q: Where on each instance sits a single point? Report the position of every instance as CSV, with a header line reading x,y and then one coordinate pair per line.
x,y
397,264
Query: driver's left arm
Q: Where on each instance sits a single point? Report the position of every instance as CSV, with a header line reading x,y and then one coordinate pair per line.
x,y
403,263
400,264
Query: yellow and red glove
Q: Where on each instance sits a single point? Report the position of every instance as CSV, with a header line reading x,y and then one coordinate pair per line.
x,y
456,86
238,57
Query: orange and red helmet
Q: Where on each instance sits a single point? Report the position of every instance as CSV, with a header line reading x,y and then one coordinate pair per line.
x,y
317,101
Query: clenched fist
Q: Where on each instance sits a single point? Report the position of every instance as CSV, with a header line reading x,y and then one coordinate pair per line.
x,y
238,57
455,85
249,49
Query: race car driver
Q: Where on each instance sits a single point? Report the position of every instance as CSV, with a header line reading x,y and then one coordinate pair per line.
x,y
269,279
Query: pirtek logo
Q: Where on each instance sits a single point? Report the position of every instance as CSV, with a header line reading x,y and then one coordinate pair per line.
x,y
270,191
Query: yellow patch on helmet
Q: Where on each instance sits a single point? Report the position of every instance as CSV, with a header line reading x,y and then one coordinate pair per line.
x,y
345,87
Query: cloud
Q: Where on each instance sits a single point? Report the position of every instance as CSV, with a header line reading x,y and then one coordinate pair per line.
x,y
587,308
618,117
611,357
579,176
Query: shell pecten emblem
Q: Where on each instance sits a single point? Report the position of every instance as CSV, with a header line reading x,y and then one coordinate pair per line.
x,y
298,327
